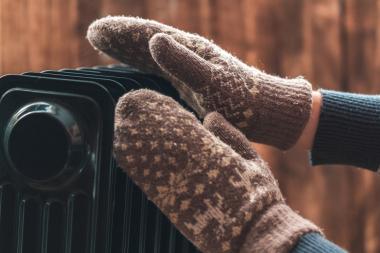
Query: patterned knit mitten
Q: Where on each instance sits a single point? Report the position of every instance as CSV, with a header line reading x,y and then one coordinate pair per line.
x,y
266,108
219,200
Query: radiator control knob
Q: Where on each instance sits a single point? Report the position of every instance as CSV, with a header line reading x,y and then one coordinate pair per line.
x,y
45,144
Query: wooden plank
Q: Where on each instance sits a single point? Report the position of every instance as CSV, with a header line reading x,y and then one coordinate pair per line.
x,y
227,24
260,33
39,49
376,73
205,18
61,31
371,228
82,14
13,47
123,7
36,38
160,10
291,39
324,37
360,25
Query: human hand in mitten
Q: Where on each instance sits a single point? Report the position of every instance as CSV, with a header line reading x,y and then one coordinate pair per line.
x,y
216,191
266,108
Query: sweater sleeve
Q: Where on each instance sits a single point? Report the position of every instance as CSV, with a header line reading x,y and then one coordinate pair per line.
x,y
315,243
348,131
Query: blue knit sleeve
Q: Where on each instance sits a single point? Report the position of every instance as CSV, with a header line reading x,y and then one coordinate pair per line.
x,y
348,131
315,243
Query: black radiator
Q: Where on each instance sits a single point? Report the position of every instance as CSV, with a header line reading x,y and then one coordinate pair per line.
x,y
60,190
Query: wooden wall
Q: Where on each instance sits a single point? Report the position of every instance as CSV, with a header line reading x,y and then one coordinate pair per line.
x,y
333,43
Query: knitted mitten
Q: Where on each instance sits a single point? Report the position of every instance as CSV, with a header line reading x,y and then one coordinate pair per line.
x,y
266,108
219,200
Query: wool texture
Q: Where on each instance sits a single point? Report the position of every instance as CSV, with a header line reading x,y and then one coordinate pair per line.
x,y
348,131
315,243
214,196
279,227
266,108
216,124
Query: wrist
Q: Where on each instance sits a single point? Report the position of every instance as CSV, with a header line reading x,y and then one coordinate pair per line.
x,y
306,139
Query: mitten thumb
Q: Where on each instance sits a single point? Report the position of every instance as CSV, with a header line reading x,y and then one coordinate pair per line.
x,y
220,127
179,61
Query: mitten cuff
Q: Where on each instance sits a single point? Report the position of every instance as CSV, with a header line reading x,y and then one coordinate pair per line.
x,y
277,230
283,107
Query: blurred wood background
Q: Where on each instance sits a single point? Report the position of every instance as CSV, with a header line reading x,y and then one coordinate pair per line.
x,y
333,43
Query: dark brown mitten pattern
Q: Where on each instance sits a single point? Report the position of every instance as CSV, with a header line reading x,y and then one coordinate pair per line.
x,y
212,194
266,108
